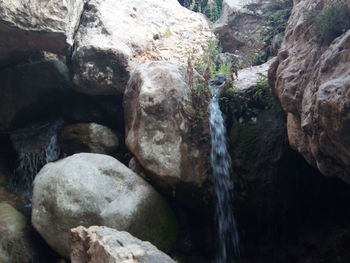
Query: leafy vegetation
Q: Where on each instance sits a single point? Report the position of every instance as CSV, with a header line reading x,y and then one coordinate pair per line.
x,y
167,33
331,22
212,11
276,16
209,64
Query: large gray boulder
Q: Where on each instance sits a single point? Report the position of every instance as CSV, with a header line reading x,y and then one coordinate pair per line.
x,y
38,25
116,36
240,27
14,244
105,245
163,129
94,189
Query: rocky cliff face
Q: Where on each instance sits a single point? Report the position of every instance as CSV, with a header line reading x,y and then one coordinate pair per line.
x,y
312,82
240,27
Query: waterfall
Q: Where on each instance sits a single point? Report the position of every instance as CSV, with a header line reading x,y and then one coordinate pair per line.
x,y
227,234
36,148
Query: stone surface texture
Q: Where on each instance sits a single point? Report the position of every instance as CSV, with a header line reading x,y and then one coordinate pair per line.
x,y
88,137
116,36
94,189
158,126
98,244
14,245
312,82
38,25
240,27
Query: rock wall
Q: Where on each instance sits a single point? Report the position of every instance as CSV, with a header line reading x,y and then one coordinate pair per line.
x,y
312,82
240,27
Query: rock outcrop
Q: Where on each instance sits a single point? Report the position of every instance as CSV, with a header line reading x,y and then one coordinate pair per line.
x,y
94,189
38,25
115,37
31,92
14,246
312,83
105,245
240,28
158,122
88,137
247,77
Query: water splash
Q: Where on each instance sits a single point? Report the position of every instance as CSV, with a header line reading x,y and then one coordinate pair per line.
x,y
227,233
35,150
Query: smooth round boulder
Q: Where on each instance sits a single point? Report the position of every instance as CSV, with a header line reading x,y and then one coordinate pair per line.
x,y
94,189
14,246
88,137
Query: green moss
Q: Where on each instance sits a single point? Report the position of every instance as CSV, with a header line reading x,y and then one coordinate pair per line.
x,y
331,22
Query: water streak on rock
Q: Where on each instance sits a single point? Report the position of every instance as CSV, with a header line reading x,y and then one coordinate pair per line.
x,y
35,150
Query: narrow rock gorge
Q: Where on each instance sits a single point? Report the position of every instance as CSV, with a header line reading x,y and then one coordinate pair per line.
x,y
162,131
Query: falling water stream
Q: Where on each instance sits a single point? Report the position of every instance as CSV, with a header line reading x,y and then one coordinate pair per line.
x,y
36,149
227,234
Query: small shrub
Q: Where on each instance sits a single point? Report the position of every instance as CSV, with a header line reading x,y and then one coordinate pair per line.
x,y
331,22
276,16
212,11
167,33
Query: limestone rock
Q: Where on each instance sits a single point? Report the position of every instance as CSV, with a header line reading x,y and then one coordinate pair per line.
x,y
240,27
158,126
88,137
13,242
116,36
99,244
38,25
247,77
30,92
94,189
312,83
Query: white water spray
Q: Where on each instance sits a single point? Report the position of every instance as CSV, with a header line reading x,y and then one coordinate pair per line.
x,y
227,234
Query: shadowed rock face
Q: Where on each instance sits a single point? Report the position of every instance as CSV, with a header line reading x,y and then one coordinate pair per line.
x,y
31,92
38,25
105,245
157,119
312,82
88,137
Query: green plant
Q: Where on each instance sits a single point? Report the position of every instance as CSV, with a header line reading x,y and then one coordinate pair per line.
x,y
276,16
223,67
331,22
167,33
212,11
